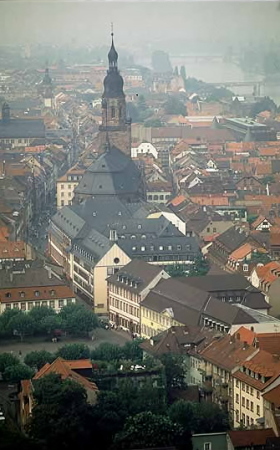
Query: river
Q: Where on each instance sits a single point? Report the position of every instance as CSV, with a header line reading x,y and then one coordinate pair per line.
x,y
217,71
221,72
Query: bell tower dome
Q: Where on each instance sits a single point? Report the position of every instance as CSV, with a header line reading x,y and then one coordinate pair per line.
x,y
115,123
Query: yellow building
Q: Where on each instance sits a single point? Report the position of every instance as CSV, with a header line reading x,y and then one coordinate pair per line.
x,y
252,381
153,322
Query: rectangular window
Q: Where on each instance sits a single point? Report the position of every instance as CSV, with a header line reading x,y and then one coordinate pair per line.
x,y
30,305
52,303
258,394
37,304
23,306
252,391
15,305
247,404
237,398
252,406
258,410
44,303
60,303
207,446
243,386
243,401
8,306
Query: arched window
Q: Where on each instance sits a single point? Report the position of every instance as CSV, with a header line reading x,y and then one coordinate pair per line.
x,y
113,112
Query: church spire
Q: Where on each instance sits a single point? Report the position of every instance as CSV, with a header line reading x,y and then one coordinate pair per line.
x,y
113,55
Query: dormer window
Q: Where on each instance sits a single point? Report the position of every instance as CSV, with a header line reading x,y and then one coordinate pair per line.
x,y
8,295
37,293
52,292
139,226
22,294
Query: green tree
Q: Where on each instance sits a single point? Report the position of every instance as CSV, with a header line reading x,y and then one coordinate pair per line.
x,y
12,439
17,373
74,351
38,358
176,270
5,319
209,418
22,324
107,352
7,360
183,72
61,417
266,104
131,350
41,312
174,106
78,320
200,268
50,323
199,417
174,371
147,430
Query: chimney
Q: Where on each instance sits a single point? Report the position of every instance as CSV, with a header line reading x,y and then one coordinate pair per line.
x,y
245,345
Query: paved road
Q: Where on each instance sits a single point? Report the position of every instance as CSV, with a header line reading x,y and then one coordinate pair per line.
x,y
101,335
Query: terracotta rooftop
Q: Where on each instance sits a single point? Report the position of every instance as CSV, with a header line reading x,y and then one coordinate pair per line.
x,y
241,252
35,293
227,352
264,364
245,335
250,438
63,368
12,250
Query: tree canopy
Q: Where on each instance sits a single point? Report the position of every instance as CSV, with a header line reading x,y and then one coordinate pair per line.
x,y
173,105
17,372
74,351
38,359
61,417
147,430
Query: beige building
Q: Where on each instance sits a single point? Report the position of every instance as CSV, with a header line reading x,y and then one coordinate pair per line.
x,y
221,359
252,381
127,288
26,298
65,186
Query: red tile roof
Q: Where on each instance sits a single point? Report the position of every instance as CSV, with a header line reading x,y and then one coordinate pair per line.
x,y
12,250
31,293
250,438
264,364
61,367
245,335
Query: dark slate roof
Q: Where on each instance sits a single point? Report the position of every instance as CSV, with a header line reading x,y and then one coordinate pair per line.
x,y
232,238
251,296
216,283
137,270
133,247
22,128
113,173
28,276
179,340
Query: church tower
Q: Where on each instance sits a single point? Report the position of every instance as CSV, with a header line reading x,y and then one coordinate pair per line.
x,y
116,126
47,90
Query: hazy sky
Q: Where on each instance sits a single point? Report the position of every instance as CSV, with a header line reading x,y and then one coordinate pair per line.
x,y
137,22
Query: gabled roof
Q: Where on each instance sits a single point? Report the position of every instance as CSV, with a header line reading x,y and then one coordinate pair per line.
x,y
137,270
63,368
179,340
227,352
265,365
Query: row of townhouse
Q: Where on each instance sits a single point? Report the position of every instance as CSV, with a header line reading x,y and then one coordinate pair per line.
x,y
243,378
94,240
143,299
